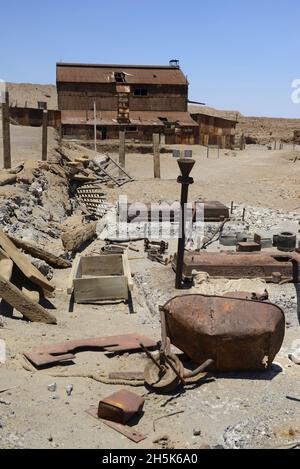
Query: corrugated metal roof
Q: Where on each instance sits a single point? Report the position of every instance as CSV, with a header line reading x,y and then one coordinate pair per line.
x,y
136,118
134,74
203,114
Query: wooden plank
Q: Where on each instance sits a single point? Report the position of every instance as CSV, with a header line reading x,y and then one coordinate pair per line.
x,y
73,274
46,256
21,261
30,309
127,271
6,265
102,288
110,264
31,293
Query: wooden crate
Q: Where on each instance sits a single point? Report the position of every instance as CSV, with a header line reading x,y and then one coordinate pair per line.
x,y
98,278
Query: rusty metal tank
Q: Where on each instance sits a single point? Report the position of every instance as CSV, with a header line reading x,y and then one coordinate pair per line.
x,y
237,334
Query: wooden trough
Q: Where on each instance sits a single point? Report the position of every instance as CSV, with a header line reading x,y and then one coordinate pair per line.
x,y
97,278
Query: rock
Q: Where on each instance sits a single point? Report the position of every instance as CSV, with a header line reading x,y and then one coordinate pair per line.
x,y
197,432
52,387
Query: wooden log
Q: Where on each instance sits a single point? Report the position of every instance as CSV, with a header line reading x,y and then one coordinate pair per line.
x,y
39,253
6,178
21,261
30,309
72,239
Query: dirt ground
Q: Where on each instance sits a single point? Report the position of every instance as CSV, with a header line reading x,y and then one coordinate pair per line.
x,y
236,410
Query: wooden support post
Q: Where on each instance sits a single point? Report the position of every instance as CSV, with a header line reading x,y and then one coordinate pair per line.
x,y
242,144
6,133
122,148
207,151
45,135
156,156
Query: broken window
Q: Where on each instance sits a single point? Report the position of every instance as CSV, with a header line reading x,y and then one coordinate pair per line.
x,y
120,77
140,92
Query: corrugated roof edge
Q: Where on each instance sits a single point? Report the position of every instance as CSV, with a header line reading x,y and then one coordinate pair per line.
x,y
163,67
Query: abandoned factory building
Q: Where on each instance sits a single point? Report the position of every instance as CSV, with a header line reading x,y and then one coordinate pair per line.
x,y
140,99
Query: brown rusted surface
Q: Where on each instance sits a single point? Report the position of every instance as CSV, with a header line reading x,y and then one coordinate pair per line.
x,y
271,267
121,406
237,334
248,247
58,353
125,430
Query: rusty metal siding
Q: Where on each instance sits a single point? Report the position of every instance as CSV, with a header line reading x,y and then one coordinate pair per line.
x,y
215,130
81,96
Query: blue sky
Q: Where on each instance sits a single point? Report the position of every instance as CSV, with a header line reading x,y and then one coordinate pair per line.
x,y
237,54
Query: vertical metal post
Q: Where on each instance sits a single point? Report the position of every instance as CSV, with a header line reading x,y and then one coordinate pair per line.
x,y
122,147
95,127
156,156
6,133
45,135
231,208
186,165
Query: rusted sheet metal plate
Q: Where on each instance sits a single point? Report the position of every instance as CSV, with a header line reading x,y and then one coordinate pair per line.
x,y
57,353
125,430
237,334
271,267
121,406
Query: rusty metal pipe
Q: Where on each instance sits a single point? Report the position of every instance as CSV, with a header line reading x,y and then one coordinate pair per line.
x,y
150,356
186,165
198,370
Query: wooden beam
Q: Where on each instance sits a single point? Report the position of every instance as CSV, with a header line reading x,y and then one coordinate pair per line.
x,y
20,301
35,251
6,133
122,148
72,239
21,261
45,135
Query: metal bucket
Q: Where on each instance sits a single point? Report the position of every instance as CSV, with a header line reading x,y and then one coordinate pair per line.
x,y
237,334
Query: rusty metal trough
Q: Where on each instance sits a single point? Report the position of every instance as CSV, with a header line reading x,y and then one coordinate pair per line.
x,y
271,267
237,334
